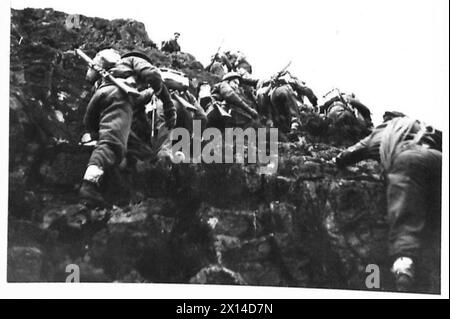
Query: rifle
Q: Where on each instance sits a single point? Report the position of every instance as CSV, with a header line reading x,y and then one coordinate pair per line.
x,y
280,73
106,75
208,68
329,92
341,97
188,106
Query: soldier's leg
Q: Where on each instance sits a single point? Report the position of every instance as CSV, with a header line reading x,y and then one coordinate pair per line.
x,y
409,181
429,272
284,100
264,106
139,140
114,129
278,100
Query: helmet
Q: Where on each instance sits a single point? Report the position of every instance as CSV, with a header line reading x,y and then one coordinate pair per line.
x,y
107,59
389,115
138,54
231,76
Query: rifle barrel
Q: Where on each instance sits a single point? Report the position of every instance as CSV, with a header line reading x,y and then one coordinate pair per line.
x,y
105,74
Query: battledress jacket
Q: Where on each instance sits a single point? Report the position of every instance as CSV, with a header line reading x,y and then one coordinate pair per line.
x,y
141,73
388,139
222,91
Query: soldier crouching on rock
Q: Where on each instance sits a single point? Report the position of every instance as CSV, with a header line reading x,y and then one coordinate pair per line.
x,y
411,158
346,108
281,101
109,115
228,91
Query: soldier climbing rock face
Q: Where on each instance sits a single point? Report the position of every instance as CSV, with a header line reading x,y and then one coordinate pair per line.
x,y
346,108
109,115
228,92
281,100
410,154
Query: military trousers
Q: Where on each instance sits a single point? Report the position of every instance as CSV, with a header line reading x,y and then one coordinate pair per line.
x,y
414,201
112,113
285,107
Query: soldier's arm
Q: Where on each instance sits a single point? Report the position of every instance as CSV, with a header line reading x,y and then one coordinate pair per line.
x,y
324,108
170,112
145,96
152,76
311,96
306,91
367,148
248,79
201,114
353,154
364,110
147,72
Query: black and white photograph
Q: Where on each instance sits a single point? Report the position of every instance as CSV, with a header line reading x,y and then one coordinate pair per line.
x,y
288,145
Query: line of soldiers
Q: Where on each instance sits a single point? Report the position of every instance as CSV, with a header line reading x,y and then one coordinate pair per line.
x,y
131,128
280,99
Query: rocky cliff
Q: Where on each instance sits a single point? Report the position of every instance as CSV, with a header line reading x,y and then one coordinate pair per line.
x,y
310,225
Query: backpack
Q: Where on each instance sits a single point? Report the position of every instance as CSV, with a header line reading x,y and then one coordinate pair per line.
x,y
174,80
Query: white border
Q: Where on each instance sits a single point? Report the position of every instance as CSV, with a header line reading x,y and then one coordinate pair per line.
x,y
164,291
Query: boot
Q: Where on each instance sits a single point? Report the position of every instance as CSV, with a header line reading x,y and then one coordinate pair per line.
x,y
89,191
404,283
90,195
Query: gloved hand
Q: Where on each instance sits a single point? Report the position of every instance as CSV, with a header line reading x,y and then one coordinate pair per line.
x,y
170,119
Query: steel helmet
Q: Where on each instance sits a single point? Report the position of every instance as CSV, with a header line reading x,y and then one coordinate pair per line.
x,y
231,76
138,54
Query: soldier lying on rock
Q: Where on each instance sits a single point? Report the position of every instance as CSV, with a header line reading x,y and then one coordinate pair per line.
x,y
411,159
109,115
346,108
236,103
282,98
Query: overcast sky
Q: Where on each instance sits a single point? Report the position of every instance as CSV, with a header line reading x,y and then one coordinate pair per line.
x,y
393,54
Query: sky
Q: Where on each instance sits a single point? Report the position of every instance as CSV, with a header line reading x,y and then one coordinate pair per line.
x,y
393,54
